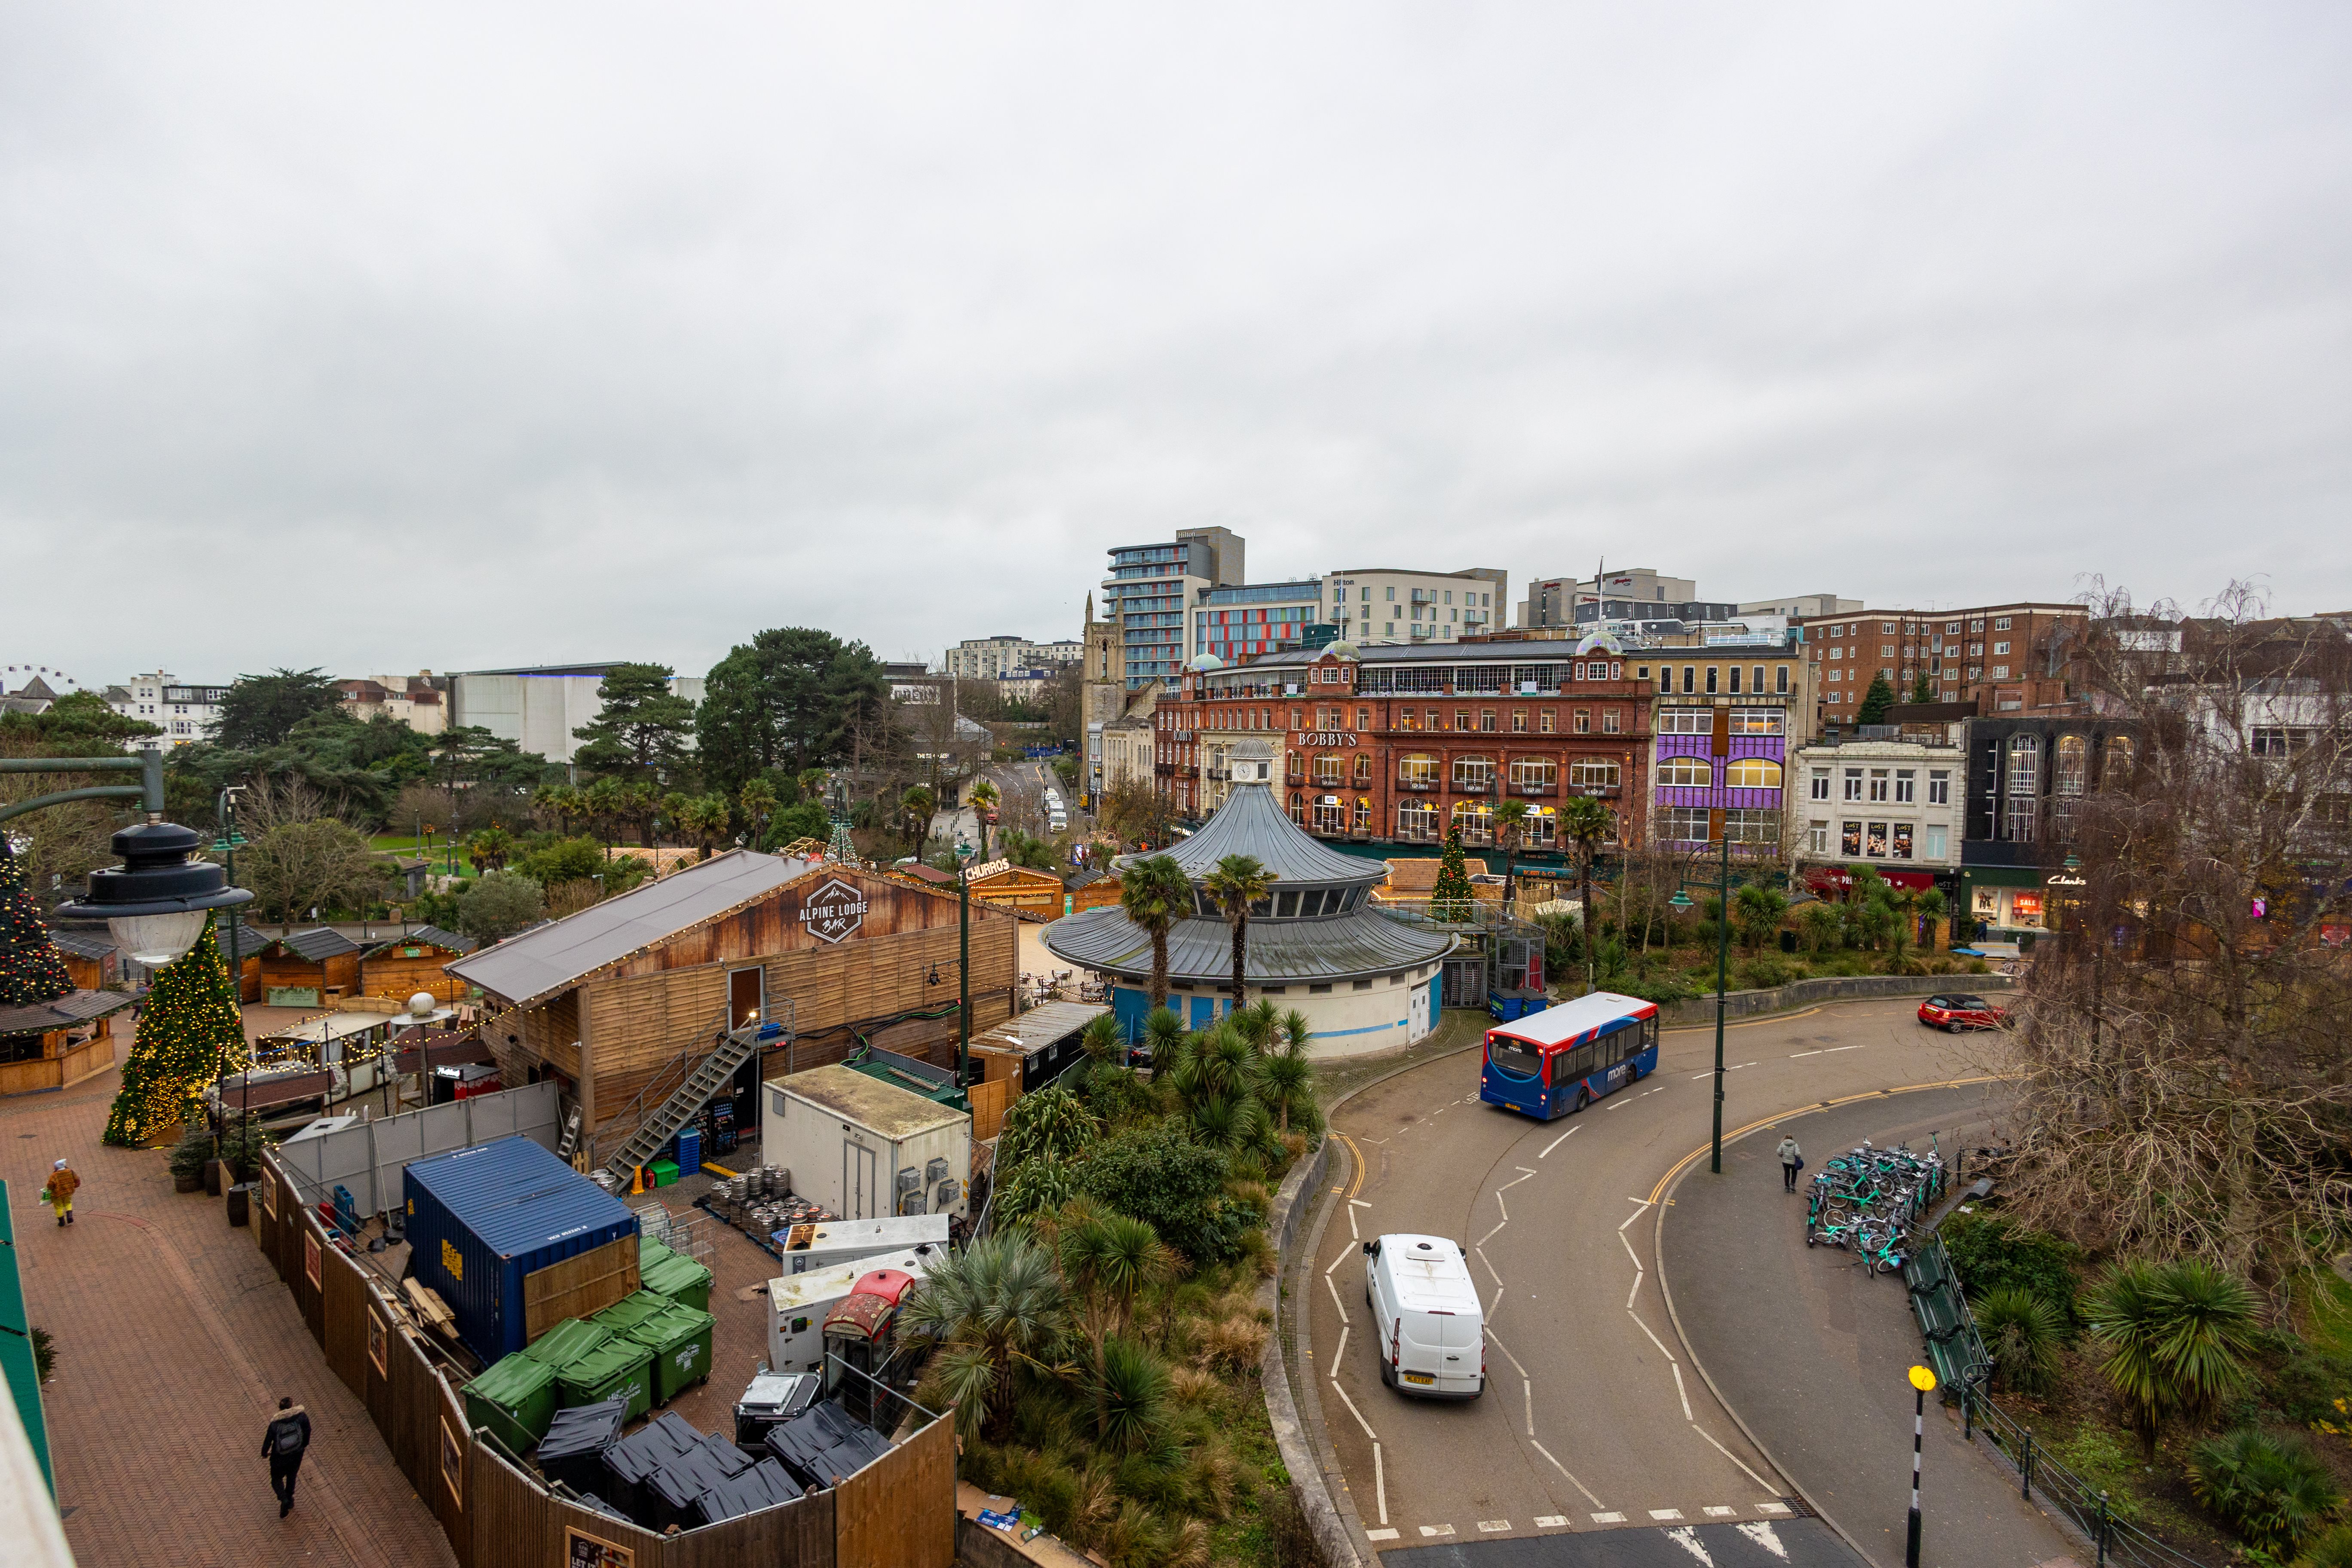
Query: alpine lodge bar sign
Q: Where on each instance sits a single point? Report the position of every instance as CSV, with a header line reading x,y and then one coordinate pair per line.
x,y
834,911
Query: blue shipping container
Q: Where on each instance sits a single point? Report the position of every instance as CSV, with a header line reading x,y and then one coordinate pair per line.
x,y
480,1219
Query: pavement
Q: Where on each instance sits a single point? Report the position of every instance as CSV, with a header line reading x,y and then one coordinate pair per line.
x,y
1595,1421
1823,1385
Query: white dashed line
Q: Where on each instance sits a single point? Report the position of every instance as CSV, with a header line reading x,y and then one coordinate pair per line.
x,y
1629,1248
1727,1454
1529,1384
1680,1392
1339,1260
1608,1518
1334,1284
1430,1530
1579,1486
1381,1482
1632,1217
1358,1415
1352,1231
1666,1513
1653,1338
1772,1508
1358,1202
1380,1535
1493,1526
1496,1341
1558,1141
1551,1520
1719,1512
1804,1054
1341,1354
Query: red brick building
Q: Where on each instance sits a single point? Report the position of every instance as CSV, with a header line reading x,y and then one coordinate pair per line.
x,y
2004,659
1392,744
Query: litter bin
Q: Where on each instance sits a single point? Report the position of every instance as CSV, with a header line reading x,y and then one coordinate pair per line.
x,y
571,1337
515,1399
572,1451
680,1337
629,1312
661,1173
680,1279
240,1204
618,1369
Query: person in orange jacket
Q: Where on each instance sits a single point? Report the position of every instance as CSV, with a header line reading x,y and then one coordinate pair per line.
x,y
60,1193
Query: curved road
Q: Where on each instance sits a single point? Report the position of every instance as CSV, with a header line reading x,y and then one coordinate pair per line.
x,y
1593,1418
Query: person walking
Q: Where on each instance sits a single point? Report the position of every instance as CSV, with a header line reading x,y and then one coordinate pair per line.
x,y
1792,1160
60,1193
283,1444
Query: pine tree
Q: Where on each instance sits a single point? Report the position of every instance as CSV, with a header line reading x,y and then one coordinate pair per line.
x,y
1920,691
31,969
1450,899
1875,701
190,1032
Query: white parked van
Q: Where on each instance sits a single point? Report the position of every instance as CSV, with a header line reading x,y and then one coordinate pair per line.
x,y
1427,1324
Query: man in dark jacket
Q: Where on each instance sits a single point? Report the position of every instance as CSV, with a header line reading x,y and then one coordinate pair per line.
x,y
283,1444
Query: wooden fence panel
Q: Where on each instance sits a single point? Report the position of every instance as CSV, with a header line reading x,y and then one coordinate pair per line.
x,y
579,1286
899,1512
990,1101
346,1318
453,1449
380,1328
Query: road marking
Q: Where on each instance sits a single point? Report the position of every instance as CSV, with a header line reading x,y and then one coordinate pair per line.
x,y
1529,1384
1608,1518
1735,1459
1834,1050
1681,1394
1632,1217
1764,1536
1634,1290
1688,1540
1551,1520
1668,1179
1499,1345
1742,1064
1339,1260
1353,1234
1579,1486
1335,1298
1653,1338
1804,1054
1719,1512
1490,1235
1494,1526
1429,1529
1358,1415
1558,1141
1502,1205
1629,1248
1379,1536
1772,1508
1359,1203
1694,1078
1341,1354
1666,1513
1380,1484
1355,1183
1489,1263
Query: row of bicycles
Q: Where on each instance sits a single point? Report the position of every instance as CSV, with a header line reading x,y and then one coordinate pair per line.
x,y
1868,1199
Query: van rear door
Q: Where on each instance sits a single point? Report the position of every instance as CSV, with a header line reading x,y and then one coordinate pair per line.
x,y
1463,1350
1421,1348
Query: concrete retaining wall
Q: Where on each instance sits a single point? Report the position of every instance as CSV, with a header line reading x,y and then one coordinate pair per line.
x,y
1291,1206
1829,988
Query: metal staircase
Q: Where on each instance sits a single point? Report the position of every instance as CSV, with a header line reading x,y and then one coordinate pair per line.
x,y
705,1078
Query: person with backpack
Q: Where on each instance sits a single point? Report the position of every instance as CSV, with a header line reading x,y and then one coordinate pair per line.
x,y
283,1444
1792,1160
59,1194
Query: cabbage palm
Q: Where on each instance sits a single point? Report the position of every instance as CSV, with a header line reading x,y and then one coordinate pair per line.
x,y
1284,1081
2021,1332
1585,825
1155,894
1257,1022
1295,1030
1109,1259
995,1308
1237,882
757,799
1163,1036
982,795
1101,1041
1510,826
2177,1335
918,802
1757,909
1131,1398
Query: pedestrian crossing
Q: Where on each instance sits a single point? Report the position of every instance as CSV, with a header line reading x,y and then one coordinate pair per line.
x,y
1791,1541
1605,1518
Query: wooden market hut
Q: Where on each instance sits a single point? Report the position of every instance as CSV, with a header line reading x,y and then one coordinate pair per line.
x,y
1092,891
58,1043
1024,1054
403,965
304,969
91,959
619,1001
1032,895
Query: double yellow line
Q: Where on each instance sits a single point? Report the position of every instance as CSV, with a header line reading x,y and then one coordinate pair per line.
x,y
1667,1180
1357,1183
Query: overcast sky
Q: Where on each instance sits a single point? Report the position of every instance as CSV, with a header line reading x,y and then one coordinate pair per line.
x,y
462,338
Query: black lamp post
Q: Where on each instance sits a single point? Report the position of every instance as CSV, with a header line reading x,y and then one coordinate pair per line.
x,y
158,901
1682,901
963,962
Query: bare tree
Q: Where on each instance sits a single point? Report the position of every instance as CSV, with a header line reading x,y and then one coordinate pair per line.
x,y
2183,1080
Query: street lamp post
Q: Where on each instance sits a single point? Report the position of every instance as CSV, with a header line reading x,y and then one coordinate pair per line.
x,y
1682,901
963,962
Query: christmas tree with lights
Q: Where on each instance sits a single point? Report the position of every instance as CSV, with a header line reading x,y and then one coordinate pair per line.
x,y
190,1032
31,969
1450,899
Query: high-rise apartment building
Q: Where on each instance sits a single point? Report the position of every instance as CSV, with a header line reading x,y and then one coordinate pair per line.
x,y
1150,590
2004,659
1377,604
1003,657
1245,620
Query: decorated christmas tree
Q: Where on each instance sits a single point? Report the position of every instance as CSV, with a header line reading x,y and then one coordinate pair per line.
x,y
30,969
190,1032
1450,899
841,848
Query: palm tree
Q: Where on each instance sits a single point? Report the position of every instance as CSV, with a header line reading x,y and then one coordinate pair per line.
x,y
1757,910
491,847
994,1309
1237,882
1163,1036
1101,1041
706,817
1109,1257
813,782
1131,1398
562,802
918,802
2177,1335
1586,824
644,802
1257,1023
604,800
983,798
1510,823
757,799
1295,1030
1155,894
1823,924
1284,1081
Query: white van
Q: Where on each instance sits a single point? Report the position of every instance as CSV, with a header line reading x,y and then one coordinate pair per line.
x,y
1427,1325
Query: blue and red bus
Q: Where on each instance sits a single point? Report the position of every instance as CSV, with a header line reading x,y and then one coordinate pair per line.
x,y
1565,1058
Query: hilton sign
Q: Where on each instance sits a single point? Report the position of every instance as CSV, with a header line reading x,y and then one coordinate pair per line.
x,y
834,911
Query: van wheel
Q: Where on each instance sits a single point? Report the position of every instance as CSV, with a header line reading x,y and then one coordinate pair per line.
x,y
1388,1376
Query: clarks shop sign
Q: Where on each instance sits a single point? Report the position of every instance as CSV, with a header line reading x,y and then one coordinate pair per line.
x,y
834,911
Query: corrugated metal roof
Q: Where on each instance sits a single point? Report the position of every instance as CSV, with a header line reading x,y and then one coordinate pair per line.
x,y
316,945
1280,951
430,936
516,1196
1252,823
1570,1019
1040,1026
63,1013
533,964
91,944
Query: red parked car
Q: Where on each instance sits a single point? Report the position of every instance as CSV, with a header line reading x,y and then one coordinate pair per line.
x,y
1959,1010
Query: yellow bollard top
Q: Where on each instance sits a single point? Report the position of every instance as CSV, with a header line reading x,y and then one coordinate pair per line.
x,y
1923,1379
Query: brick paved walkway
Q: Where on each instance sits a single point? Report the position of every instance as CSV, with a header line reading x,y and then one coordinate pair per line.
x,y
175,1339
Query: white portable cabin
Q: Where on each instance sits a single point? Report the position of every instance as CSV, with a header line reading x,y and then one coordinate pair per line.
x,y
865,1149
1428,1329
810,1248
797,1304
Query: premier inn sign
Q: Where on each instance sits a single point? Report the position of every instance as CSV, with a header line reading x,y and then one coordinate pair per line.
x,y
834,911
